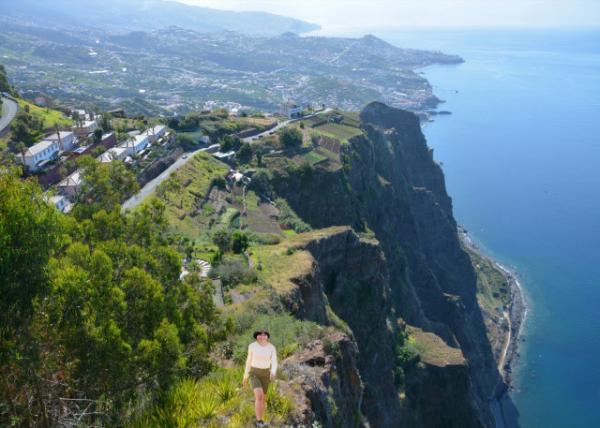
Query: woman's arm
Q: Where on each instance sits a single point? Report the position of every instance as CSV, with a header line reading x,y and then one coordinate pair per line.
x,y
248,362
273,362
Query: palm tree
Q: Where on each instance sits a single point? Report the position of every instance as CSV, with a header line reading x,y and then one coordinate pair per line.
x,y
131,139
22,148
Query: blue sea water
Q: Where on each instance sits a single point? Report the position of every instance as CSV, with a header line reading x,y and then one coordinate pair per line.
x,y
521,156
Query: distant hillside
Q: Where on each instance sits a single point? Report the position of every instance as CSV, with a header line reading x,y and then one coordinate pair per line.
x,y
131,15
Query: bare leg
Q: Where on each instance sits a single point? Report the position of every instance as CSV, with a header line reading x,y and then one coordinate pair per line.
x,y
259,403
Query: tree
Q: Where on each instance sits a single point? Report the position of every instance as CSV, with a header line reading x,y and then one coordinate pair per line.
x,y
93,310
290,137
186,142
222,239
30,233
105,122
22,149
259,157
239,242
103,186
97,135
244,154
4,85
229,142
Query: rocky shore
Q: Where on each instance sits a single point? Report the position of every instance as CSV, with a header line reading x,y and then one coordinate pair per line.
x,y
517,309
502,407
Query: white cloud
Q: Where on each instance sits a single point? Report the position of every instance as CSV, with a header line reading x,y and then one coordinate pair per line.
x,y
337,14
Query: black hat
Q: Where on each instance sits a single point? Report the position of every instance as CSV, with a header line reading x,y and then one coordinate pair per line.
x,y
257,332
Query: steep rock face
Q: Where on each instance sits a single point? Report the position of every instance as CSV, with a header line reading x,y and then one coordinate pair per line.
x,y
346,283
390,184
327,385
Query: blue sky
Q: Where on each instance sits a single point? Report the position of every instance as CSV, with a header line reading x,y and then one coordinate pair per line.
x,y
338,14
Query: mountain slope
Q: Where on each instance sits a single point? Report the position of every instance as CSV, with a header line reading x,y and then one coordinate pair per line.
x,y
132,15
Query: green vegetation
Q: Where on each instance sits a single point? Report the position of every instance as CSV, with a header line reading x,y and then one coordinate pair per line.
x,y
104,186
214,401
93,310
49,118
314,157
4,85
290,137
184,193
289,218
339,131
493,289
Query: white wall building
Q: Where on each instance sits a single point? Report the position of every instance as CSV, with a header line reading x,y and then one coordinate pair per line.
x,y
70,185
66,140
116,153
38,154
136,145
290,110
155,133
86,127
61,203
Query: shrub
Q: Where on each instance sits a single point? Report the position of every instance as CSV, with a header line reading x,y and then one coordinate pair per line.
x,y
233,272
239,242
290,137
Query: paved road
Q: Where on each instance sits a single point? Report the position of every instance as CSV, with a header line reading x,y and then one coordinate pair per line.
x,y
9,110
283,124
153,184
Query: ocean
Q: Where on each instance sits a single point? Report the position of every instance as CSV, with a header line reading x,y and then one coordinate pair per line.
x,y
521,156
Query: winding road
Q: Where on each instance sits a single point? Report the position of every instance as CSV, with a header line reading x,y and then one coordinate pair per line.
x,y
9,111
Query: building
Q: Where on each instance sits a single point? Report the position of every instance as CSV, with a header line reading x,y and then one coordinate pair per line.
x,y
290,110
116,153
136,144
70,186
66,140
61,203
155,133
39,154
85,127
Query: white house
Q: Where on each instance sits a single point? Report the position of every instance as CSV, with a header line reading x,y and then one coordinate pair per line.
x,y
116,153
61,203
86,127
70,185
155,133
290,110
136,145
66,140
39,154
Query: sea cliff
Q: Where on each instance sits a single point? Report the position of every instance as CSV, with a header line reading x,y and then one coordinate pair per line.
x,y
389,187
397,323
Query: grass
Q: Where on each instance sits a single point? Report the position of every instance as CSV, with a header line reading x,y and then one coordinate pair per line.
x,y
216,400
281,263
51,118
338,131
432,349
182,202
493,290
314,157
288,333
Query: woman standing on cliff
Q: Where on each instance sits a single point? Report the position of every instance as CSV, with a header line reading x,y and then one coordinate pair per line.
x,y
261,367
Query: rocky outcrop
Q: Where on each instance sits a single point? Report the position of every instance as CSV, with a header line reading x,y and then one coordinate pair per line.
x,y
325,383
416,274
343,280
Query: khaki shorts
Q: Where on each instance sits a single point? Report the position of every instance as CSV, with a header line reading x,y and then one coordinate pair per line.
x,y
260,378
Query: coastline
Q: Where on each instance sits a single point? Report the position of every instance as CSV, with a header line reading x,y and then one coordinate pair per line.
x,y
516,312
505,414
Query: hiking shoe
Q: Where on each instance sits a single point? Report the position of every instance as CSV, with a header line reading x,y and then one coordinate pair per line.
x,y
260,423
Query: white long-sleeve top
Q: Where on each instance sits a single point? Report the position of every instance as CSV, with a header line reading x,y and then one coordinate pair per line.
x,y
261,357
